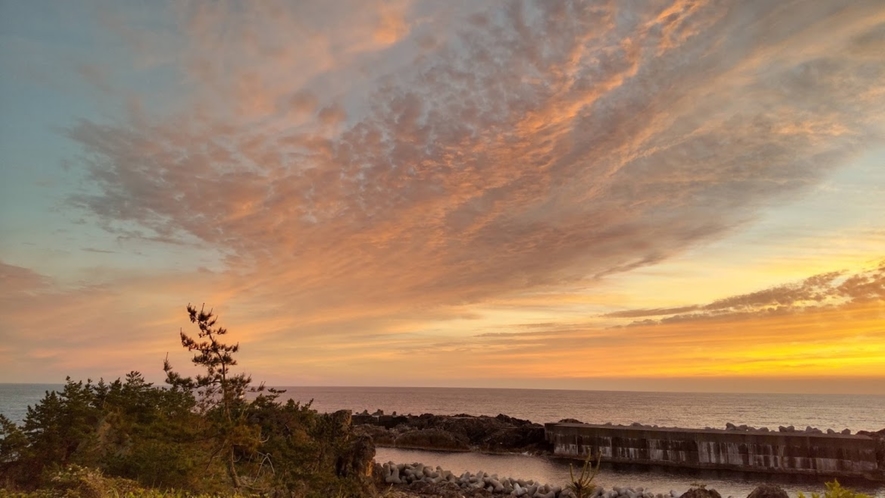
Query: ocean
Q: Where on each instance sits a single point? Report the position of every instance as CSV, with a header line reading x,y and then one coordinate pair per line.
x,y
689,410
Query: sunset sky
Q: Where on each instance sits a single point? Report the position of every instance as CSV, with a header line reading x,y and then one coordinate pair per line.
x,y
680,195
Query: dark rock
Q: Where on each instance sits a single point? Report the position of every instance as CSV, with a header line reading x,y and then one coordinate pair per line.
x,y
701,493
357,459
511,438
342,419
513,420
432,439
391,421
768,491
459,432
571,421
380,436
476,429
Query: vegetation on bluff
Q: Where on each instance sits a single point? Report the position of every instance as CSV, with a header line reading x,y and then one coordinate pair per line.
x,y
195,435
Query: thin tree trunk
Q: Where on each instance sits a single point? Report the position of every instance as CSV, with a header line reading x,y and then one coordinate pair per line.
x,y
232,470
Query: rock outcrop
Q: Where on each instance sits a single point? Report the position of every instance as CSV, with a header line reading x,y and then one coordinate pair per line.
x,y
701,493
455,433
358,459
768,491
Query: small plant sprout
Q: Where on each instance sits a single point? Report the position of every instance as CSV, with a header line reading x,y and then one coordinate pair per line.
x,y
582,486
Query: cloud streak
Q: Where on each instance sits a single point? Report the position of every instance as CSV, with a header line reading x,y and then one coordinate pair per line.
x,y
411,162
539,143
819,292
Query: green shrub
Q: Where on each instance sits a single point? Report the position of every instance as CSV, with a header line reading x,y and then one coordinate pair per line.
x,y
835,490
129,438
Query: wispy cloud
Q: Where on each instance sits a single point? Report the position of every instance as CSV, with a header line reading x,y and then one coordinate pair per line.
x,y
824,291
16,278
368,169
539,143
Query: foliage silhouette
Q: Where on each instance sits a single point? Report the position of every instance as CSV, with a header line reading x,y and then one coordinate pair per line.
x,y
221,394
214,434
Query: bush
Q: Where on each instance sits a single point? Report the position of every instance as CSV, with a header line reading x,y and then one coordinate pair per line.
x,y
131,438
835,490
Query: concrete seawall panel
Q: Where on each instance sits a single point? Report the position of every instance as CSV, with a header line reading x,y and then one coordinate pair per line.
x,y
834,455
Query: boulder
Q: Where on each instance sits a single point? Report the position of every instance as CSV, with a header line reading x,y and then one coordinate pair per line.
x,y
394,477
341,421
768,491
701,493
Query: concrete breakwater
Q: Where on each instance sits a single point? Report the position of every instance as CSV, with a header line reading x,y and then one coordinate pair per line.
x,y
789,452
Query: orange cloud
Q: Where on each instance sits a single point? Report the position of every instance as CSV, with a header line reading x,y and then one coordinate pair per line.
x,y
421,193
363,184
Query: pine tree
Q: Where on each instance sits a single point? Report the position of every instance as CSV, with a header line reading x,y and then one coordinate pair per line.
x,y
221,393
61,427
12,442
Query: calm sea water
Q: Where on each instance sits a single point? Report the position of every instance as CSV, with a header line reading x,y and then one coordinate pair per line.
x,y
15,398
691,410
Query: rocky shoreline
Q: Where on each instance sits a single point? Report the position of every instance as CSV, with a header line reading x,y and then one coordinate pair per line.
x,y
504,434
500,434
419,477
420,481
